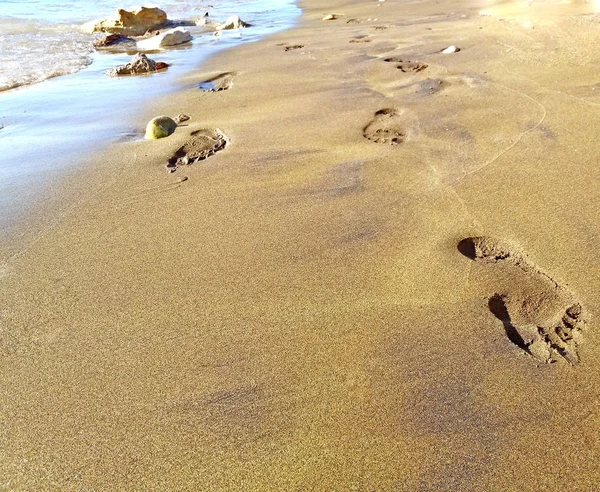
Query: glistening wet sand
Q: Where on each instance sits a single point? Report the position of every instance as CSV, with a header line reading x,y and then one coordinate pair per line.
x,y
294,312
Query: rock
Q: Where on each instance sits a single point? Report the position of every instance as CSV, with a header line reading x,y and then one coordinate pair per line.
x,y
233,22
170,37
160,127
133,23
329,17
451,49
180,118
139,64
112,40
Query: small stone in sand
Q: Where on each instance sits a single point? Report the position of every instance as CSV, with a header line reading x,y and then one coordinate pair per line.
x,y
160,127
451,49
329,17
180,118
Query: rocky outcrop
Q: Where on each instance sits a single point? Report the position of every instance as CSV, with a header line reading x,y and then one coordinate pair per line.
x,y
160,127
131,23
139,64
161,39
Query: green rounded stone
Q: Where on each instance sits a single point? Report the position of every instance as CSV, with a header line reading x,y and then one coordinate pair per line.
x,y
160,127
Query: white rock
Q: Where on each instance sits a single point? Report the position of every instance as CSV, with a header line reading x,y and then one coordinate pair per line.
x,y
233,22
451,49
170,37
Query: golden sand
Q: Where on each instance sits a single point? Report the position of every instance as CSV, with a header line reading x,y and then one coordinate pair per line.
x,y
294,312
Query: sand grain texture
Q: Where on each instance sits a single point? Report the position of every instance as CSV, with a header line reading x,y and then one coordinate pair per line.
x,y
294,312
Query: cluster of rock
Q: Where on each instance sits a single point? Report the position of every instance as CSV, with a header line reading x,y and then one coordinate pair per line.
x,y
153,30
145,20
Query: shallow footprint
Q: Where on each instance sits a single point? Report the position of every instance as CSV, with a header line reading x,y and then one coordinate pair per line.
x,y
407,66
547,324
201,144
360,39
294,47
221,82
385,128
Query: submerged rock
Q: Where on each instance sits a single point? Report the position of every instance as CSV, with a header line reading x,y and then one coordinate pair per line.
x,y
133,23
160,127
233,22
139,64
171,37
112,40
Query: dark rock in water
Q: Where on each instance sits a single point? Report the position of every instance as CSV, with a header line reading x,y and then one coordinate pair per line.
x,y
112,40
139,64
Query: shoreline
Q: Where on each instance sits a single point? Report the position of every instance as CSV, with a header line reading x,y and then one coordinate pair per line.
x,y
70,118
296,312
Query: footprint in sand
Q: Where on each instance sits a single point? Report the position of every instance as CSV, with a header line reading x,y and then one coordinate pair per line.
x,y
201,145
406,66
221,82
360,39
546,323
385,128
294,47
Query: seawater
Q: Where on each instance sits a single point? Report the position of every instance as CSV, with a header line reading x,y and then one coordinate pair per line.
x,y
61,101
40,39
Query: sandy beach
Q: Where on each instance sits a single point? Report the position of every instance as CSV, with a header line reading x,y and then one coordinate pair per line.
x,y
341,298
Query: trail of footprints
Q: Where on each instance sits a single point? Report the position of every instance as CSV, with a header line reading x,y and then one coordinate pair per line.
x,y
547,324
386,127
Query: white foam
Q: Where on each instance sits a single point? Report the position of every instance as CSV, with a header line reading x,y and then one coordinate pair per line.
x,y
32,51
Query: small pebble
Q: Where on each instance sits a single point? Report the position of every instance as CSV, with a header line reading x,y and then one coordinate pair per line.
x,y
180,118
451,49
329,17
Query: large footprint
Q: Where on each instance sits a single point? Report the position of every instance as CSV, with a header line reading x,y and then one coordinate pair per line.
x,y
201,144
547,324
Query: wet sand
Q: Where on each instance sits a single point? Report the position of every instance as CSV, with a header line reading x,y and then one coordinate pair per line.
x,y
296,312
